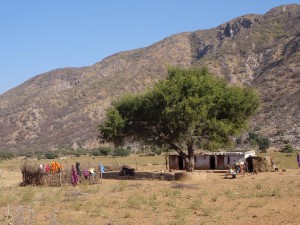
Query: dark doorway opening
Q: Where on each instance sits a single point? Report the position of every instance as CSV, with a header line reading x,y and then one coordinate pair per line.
x,y
250,167
212,162
180,163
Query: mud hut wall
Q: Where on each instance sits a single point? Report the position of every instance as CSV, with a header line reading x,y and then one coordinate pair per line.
x,y
221,162
202,162
173,162
268,161
227,160
261,164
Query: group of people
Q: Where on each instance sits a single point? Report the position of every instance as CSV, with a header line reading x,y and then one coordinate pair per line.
x,y
235,169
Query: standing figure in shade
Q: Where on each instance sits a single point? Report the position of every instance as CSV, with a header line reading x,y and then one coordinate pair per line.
x,y
298,159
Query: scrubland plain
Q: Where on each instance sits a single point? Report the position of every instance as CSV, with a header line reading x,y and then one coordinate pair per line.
x,y
152,197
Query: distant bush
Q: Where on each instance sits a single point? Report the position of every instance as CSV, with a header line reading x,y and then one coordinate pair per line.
x,y
157,151
39,155
77,152
252,138
6,155
238,141
262,142
29,154
288,149
51,155
104,151
121,152
95,152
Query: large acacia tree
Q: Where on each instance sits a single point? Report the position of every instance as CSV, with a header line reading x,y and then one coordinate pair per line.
x,y
190,109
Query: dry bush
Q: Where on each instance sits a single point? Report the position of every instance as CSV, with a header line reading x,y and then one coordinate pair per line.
x,y
32,175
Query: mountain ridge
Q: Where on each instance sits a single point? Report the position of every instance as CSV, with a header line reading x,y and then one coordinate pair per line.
x,y
62,107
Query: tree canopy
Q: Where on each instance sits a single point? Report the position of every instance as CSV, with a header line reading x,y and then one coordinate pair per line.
x,y
191,108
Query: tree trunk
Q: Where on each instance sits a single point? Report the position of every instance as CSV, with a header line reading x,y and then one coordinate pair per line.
x,y
191,164
189,159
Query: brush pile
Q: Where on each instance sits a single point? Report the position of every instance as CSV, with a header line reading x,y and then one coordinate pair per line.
x,y
32,175
56,175
35,175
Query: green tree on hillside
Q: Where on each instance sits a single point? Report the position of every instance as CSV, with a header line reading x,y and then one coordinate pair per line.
x,y
287,149
191,108
104,151
262,142
121,152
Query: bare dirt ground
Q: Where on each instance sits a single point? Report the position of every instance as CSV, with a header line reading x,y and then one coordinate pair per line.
x,y
154,198
10,178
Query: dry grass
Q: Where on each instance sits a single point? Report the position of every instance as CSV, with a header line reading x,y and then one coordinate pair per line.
x,y
265,198
284,160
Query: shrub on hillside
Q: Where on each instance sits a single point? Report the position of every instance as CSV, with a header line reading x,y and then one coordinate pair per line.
x,y
95,152
288,149
104,151
121,152
6,155
75,152
51,155
262,142
28,154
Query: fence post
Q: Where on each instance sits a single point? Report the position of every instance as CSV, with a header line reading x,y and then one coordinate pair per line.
x,y
100,176
8,217
60,178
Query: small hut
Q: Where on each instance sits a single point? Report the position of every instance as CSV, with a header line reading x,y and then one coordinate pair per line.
x,y
211,160
258,164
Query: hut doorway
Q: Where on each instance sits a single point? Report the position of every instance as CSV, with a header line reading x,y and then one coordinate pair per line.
x,y
221,164
212,162
250,166
180,163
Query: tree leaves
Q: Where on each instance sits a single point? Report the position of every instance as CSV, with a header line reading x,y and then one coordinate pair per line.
x,y
190,106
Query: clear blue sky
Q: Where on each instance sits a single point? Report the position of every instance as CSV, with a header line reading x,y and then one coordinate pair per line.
x,y
37,36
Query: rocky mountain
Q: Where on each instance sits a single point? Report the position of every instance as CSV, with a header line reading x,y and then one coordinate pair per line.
x,y
63,107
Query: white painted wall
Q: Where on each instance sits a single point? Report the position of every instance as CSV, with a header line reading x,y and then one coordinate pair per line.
x,y
202,162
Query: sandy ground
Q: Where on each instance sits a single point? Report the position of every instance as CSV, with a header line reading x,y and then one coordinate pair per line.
x,y
153,198
10,178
